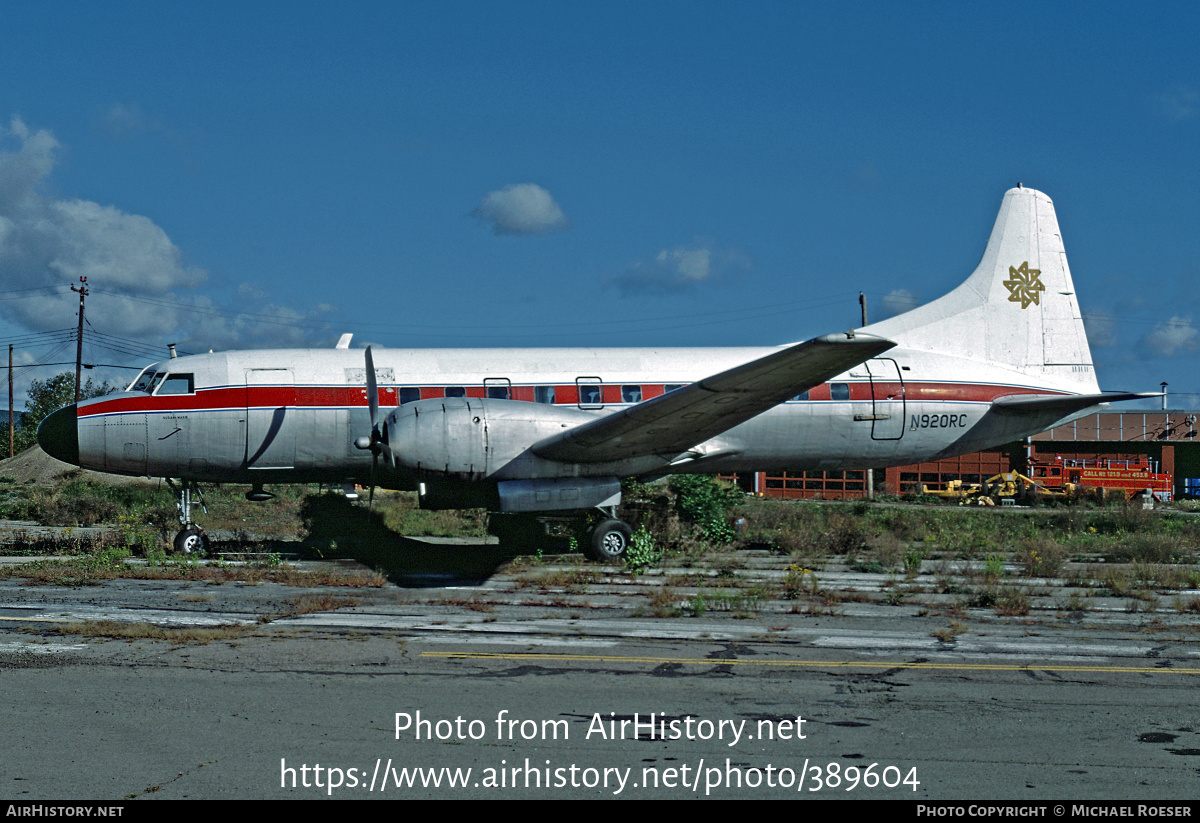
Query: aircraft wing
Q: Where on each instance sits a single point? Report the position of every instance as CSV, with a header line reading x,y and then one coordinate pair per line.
x,y
673,423
1063,403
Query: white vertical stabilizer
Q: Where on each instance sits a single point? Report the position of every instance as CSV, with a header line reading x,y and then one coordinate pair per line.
x,y
1018,309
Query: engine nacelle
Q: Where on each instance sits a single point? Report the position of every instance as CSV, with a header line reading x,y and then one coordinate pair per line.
x,y
473,438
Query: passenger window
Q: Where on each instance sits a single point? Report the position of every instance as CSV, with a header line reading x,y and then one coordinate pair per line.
x,y
497,388
839,391
409,394
456,391
631,394
801,396
177,384
591,392
543,394
670,387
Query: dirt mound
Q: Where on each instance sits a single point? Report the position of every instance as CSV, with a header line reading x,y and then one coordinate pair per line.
x,y
35,466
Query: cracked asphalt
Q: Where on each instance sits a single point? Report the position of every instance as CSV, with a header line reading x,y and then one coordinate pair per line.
x,y
548,683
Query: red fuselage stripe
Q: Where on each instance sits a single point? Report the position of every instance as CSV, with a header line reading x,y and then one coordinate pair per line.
x,y
241,397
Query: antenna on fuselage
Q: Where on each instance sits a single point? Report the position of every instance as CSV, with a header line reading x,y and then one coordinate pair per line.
x,y
171,349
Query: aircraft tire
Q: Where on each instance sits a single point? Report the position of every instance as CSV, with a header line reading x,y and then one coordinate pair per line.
x,y
191,541
610,540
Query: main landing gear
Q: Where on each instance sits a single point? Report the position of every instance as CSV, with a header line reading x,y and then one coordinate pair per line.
x,y
606,541
191,538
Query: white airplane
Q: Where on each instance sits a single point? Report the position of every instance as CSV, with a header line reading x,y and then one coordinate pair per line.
x,y
545,431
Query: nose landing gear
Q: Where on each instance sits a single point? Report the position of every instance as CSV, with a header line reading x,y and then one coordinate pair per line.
x,y
191,538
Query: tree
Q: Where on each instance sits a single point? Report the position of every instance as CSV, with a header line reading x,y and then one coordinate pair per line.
x,y
46,396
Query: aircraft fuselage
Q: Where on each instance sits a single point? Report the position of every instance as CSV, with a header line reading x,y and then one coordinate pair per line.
x,y
293,415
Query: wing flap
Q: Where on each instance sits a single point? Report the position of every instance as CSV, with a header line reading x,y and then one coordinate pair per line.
x,y
674,423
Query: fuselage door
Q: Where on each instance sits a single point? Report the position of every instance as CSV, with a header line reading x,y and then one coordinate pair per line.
x,y
887,399
270,418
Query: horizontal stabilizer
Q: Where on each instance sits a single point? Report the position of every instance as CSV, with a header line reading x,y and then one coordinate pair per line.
x,y
673,423
1063,403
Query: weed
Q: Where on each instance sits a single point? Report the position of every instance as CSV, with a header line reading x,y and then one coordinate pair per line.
x,y
888,549
664,602
571,581
798,581
1075,603
912,561
151,631
1012,603
993,567
643,551
948,634
984,599
955,609
706,501
1042,556
318,603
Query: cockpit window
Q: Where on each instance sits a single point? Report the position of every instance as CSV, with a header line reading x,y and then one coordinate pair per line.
x,y
148,381
177,384
144,380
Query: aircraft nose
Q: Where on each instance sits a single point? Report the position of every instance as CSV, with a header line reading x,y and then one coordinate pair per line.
x,y
59,435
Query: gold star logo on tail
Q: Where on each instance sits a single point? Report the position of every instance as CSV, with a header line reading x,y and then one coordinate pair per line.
x,y
1024,287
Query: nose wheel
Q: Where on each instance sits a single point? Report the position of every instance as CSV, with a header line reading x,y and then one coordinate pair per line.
x,y
191,540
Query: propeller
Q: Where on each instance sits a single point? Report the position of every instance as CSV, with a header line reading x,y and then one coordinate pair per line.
x,y
376,441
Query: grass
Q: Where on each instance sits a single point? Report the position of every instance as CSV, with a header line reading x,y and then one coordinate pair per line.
x,y
109,564
150,631
950,633
1116,551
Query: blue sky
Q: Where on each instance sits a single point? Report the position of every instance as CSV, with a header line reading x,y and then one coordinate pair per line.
x,y
486,174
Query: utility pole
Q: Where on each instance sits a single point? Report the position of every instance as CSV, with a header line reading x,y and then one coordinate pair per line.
x,y
862,304
11,436
79,339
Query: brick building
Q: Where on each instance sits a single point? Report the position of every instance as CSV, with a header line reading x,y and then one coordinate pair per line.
x,y
1167,438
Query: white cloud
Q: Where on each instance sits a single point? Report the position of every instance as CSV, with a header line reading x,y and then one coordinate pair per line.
x,y
898,302
46,244
1176,334
680,269
521,209
689,265
22,171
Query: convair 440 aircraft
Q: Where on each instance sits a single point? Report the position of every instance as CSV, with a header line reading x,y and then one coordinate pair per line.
x,y
545,431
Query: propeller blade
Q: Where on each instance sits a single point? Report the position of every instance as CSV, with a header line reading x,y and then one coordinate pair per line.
x,y
372,394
